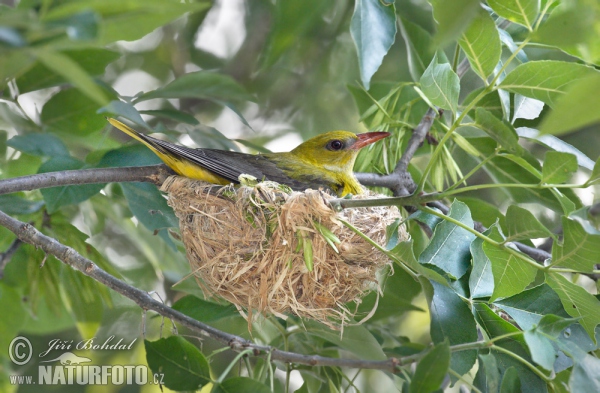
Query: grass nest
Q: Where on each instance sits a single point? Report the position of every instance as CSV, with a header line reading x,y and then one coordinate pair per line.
x,y
272,250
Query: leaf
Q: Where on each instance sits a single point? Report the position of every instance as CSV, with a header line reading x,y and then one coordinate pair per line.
x,y
57,197
571,27
201,84
526,108
490,102
72,72
452,18
511,273
373,29
39,144
555,143
558,167
124,109
575,109
579,249
92,60
585,377
72,112
204,311
523,12
432,369
182,364
419,47
127,20
240,385
487,378
500,131
441,85
355,339
448,249
172,114
481,280
577,302
451,320
529,307
11,304
546,81
399,291
481,44
522,224
12,204
511,382
540,339
149,206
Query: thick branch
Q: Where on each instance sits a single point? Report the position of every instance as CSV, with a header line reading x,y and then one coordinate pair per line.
x,y
28,234
152,174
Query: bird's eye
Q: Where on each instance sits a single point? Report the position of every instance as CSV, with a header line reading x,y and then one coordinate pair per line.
x,y
335,145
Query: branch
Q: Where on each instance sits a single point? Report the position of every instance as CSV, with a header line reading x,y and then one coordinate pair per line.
x,y
28,234
152,174
6,255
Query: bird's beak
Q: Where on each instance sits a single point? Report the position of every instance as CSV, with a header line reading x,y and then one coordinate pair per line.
x,y
367,138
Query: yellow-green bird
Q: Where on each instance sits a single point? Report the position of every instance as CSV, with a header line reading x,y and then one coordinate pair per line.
x,y
325,161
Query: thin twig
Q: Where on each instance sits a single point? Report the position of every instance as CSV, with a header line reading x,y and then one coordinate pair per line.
x,y
153,174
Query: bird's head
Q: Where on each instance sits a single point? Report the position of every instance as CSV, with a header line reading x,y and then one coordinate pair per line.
x,y
336,150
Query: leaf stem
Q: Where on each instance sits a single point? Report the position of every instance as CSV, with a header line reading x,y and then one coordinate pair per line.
x,y
233,363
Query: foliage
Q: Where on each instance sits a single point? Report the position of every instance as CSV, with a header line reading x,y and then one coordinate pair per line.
x,y
499,320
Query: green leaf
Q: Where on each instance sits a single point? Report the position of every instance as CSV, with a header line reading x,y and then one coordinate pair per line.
x,y
399,291
554,143
558,167
182,364
523,12
432,369
546,81
127,20
441,85
11,303
419,47
72,72
451,320
495,326
490,102
511,382
481,280
172,114
452,18
201,84
577,302
571,27
124,109
529,307
500,131
579,249
149,206
585,377
240,385
481,44
72,112
540,345
373,29
203,310
575,109
487,378
522,224
511,273
355,339
448,249
39,144
12,204
92,60
57,197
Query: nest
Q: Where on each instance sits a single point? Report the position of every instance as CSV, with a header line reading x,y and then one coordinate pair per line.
x,y
251,246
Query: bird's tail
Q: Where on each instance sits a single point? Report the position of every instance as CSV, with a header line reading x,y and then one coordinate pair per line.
x,y
146,140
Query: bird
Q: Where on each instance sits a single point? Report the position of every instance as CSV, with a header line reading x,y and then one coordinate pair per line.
x,y
324,161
